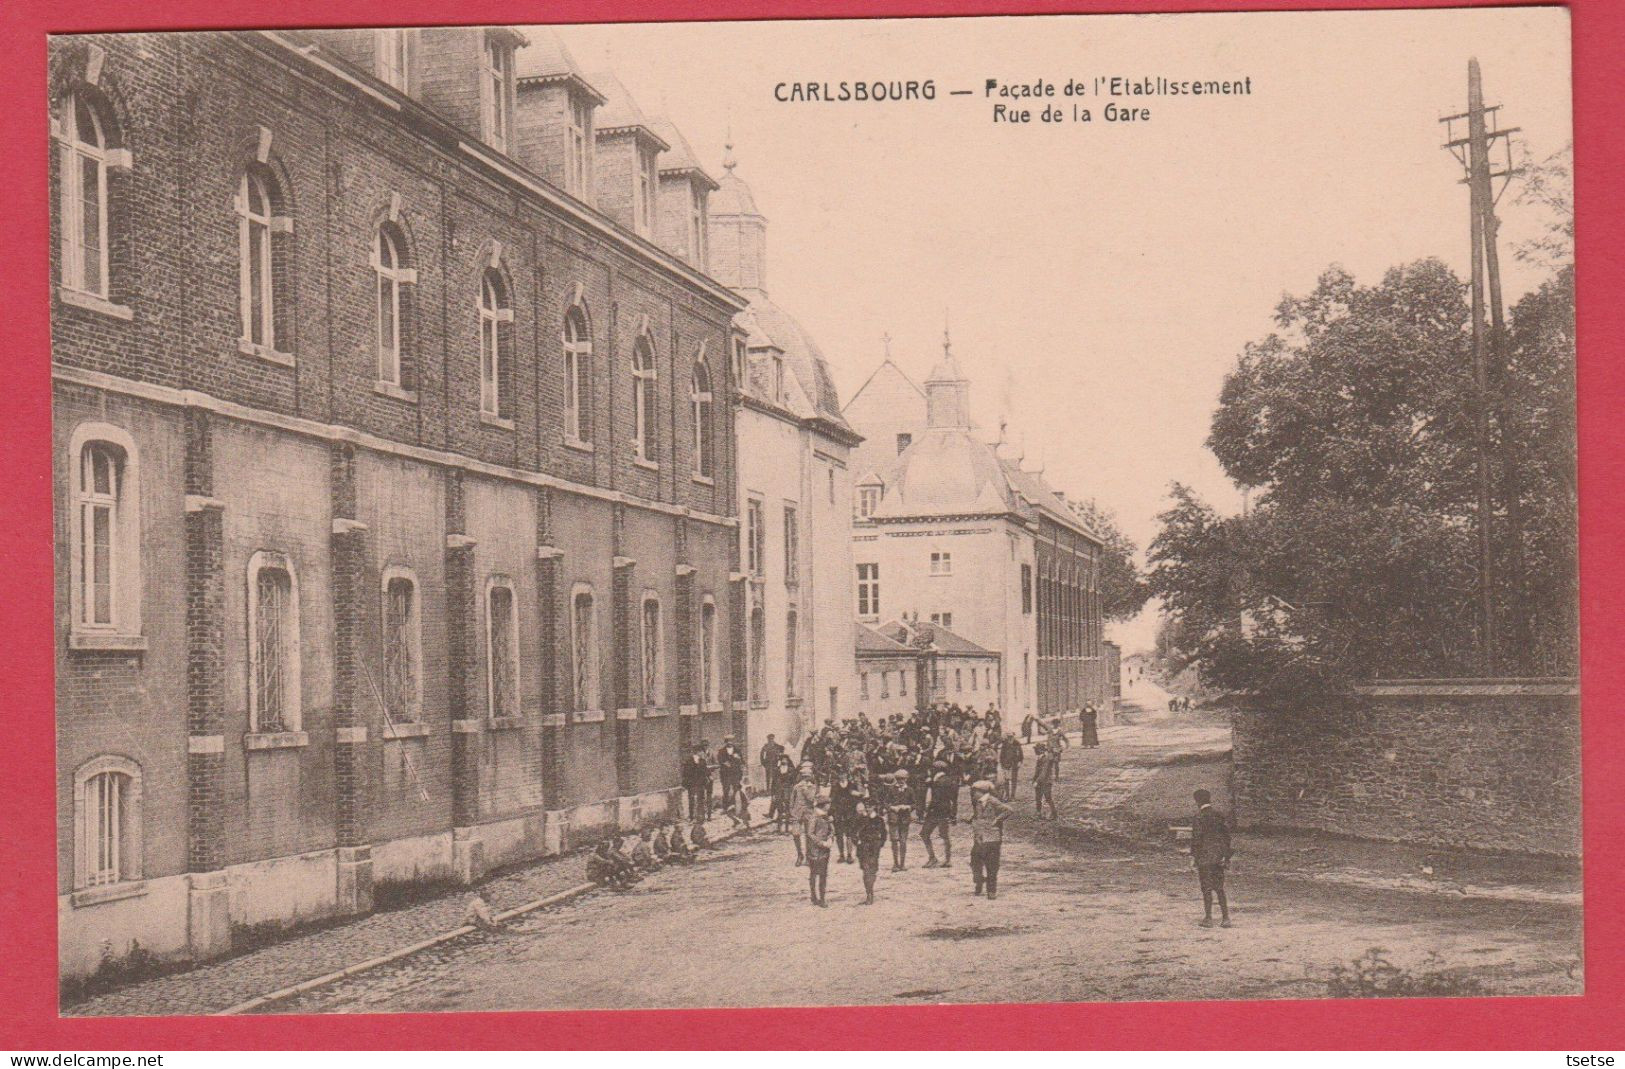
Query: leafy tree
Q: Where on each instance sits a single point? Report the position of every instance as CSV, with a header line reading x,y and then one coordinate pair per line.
x,y
1123,591
1353,425
1548,184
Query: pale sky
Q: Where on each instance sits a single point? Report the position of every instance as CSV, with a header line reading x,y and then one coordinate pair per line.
x,y
1101,277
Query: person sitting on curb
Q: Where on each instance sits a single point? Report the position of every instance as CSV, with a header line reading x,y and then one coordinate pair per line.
x,y
681,853
607,869
643,853
698,837
660,846
479,913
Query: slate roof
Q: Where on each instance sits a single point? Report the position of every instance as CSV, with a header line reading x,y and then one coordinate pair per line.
x,y
680,157
621,111
942,640
768,324
733,195
869,641
546,59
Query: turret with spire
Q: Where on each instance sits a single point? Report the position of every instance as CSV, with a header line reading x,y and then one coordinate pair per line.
x,y
947,392
738,230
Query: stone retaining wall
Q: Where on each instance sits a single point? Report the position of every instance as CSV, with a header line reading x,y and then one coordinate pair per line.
x,y
1484,764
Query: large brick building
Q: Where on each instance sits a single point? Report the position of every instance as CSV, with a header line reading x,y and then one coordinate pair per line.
x,y
952,531
393,469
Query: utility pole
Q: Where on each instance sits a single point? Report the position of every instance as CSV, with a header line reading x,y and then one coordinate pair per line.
x,y
1473,151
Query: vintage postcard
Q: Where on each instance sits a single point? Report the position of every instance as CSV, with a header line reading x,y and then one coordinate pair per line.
x,y
759,514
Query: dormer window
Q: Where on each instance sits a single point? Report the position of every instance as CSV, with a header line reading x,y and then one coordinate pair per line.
x,y
579,173
696,230
778,377
643,197
394,57
496,101
868,501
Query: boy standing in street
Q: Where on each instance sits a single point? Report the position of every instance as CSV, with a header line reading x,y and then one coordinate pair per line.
x,y
870,836
1044,781
819,833
988,813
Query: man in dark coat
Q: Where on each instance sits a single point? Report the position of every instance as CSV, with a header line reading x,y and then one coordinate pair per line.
x,y
1089,723
1210,852
730,770
771,752
697,784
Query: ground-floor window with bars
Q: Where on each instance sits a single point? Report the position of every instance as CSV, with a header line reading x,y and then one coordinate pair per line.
x,y
584,640
401,669
758,654
652,667
503,655
274,700
708,651
108,801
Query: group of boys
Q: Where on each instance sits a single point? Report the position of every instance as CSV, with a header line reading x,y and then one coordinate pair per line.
x,y
616,865
861,785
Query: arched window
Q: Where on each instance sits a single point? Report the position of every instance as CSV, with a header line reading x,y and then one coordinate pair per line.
x,y
654,655
703,430
643,399
708,651
257,222
584,643
273,644
402,647
791,645
85,156
577,376
99,515
494,355
105,567
393,274
502,649
107,822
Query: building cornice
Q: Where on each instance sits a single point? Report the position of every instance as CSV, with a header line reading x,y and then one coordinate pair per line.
x,y
570,80
331,432
817,424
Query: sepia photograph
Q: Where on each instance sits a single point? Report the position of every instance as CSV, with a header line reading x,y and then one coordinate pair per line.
x,y
840,512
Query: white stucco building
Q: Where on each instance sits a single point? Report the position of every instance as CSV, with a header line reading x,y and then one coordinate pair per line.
x,y
948,529
795,488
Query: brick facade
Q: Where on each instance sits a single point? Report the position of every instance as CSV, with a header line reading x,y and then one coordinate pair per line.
x,y
305,457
